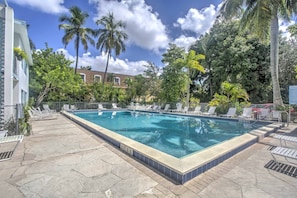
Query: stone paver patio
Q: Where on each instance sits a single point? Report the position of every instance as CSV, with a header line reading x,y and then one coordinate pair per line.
x,y
61,159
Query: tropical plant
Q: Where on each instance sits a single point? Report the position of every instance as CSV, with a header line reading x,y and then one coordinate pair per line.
x,y
19,53
111,37
231,94
262,17
25,126
194,102
190,61
74,29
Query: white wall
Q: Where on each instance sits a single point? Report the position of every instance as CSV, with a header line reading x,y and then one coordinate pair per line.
x,y
8,62
22,82
15,84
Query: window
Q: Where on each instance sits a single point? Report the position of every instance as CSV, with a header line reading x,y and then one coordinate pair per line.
x,y
15,68
25,67
83,76
97,78
23,97
117,80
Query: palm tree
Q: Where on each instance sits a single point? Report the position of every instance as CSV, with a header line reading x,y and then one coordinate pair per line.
x,y
74,29
261,16
111,37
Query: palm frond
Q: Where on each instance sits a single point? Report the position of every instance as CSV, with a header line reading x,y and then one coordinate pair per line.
x,y
73,28
231,8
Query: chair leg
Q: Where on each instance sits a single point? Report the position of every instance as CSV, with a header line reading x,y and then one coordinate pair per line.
x,y
277,163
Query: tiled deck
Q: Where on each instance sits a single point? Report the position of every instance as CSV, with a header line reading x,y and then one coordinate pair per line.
x,y
61,159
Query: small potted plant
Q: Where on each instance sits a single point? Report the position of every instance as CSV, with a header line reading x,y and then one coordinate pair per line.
x,y
19,53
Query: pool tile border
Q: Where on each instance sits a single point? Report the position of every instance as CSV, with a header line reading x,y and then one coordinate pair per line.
x,y
178,170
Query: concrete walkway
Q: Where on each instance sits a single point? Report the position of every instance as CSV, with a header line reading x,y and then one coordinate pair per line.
x,y
61,159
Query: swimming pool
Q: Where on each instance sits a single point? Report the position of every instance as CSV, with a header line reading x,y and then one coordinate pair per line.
x,y
175,135
177,169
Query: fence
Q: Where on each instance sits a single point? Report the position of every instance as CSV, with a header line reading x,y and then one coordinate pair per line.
x,y
58,106
11,119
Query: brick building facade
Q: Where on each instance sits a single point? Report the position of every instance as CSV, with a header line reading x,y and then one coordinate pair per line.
x,y
89,76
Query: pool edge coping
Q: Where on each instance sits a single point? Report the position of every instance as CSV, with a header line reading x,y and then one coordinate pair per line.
x,y
178,169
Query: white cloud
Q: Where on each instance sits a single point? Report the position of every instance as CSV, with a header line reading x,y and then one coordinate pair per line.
x,y
47,6
184,41
198,21
143,26
283,27
98,63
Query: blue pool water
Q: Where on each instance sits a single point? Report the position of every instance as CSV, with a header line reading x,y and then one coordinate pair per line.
x,y
175,135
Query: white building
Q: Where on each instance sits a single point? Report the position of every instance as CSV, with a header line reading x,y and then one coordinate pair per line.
x,y
14,73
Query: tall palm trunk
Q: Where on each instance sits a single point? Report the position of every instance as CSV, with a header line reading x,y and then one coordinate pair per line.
x,y
188,88
274,48
107,62
77,46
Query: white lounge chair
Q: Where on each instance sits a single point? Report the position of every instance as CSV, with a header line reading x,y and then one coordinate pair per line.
x,y
166,108
264,113
179,107
231,113
36,114
211,111
10,139
65,107
285,138
185,109
46,108
287,153
114,106
148,107
276,115
247,113
73,107
156,108
100,107
197,110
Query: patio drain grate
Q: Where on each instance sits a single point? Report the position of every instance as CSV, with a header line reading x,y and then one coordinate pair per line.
x,y
6,155
270,148
283,168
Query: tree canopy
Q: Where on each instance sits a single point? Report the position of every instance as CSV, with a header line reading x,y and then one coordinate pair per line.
x,y
261,17
234,57
51,77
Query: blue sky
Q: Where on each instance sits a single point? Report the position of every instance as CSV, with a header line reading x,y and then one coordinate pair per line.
x,y
150,25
